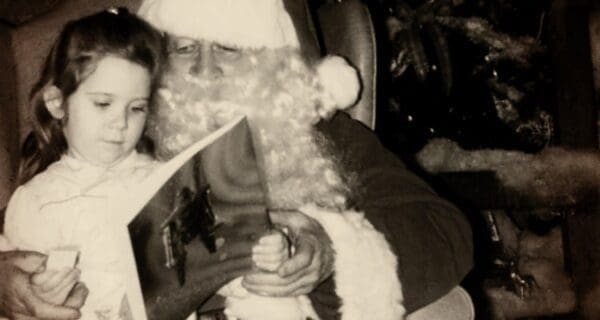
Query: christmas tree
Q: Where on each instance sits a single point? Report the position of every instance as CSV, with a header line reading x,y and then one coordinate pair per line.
x,y
471,71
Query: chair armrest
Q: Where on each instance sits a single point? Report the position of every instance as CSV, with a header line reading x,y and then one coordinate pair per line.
x,y
456,305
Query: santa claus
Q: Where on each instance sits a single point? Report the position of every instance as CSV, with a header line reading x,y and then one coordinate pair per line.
x,y
236,57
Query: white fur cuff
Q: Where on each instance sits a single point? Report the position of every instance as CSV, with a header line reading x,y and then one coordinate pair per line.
x,y
365,269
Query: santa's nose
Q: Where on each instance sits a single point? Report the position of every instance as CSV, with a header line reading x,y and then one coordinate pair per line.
x,y
206,65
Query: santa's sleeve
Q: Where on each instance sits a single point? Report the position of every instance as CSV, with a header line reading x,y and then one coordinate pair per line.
x,y
430,237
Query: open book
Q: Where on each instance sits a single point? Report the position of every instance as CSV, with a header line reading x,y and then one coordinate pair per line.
x,y
180,214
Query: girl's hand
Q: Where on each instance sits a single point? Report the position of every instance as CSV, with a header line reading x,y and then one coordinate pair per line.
x,y
271,251
54,285
310,264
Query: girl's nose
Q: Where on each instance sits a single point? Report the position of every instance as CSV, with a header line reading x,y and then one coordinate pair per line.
x,y
118,119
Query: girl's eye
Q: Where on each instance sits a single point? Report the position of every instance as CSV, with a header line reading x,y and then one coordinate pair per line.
x,y
101,104
140,108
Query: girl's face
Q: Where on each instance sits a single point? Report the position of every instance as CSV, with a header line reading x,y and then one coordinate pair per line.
x,y
107,113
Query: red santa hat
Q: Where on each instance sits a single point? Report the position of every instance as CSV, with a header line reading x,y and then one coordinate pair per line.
x,y
251,24
239,23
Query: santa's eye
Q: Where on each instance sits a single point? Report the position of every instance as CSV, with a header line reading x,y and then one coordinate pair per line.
x,y
186,49
226,48
183,46
226,51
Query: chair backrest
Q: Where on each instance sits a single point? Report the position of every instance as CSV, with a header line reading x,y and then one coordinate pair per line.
x,y
345,28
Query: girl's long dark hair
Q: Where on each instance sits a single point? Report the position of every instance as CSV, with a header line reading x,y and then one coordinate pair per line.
x,y
74,56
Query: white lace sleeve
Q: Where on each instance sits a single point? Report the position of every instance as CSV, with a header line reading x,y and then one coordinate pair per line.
x,y
24,227
5,244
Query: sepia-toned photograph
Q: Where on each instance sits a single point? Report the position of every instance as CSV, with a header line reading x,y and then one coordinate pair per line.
x,y
300,159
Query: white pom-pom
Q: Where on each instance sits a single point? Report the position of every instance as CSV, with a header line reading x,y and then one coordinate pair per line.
x,y
339,80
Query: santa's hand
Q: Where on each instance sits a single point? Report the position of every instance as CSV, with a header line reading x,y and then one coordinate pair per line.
x,y
54,285
17,298
311,263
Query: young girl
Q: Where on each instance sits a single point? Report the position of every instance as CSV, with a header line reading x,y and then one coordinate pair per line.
x,y
89,115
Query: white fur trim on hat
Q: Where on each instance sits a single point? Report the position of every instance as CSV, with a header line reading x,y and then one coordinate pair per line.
x,y
341,85
239,23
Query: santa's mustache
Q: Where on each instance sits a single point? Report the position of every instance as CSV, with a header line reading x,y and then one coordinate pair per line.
x,y
240,88
280,109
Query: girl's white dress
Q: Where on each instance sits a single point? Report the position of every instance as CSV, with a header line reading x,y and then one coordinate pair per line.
x,y
68,206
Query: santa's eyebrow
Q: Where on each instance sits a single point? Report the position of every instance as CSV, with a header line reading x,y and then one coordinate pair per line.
x,y
174,37
176,40
225,46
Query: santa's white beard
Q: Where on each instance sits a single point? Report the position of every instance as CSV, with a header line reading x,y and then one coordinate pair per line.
x,y
283,100
280,101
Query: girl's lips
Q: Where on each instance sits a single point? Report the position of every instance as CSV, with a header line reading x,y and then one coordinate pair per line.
x,y
116,142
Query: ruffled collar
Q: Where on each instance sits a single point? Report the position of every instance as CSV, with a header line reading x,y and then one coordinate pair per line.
x,y
132,161
79,177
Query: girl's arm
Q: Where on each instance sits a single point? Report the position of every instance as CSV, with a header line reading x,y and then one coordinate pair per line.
x,y
27,228
24,225
17,268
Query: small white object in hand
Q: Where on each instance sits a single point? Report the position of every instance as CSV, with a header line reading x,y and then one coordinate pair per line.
x,y
62,258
